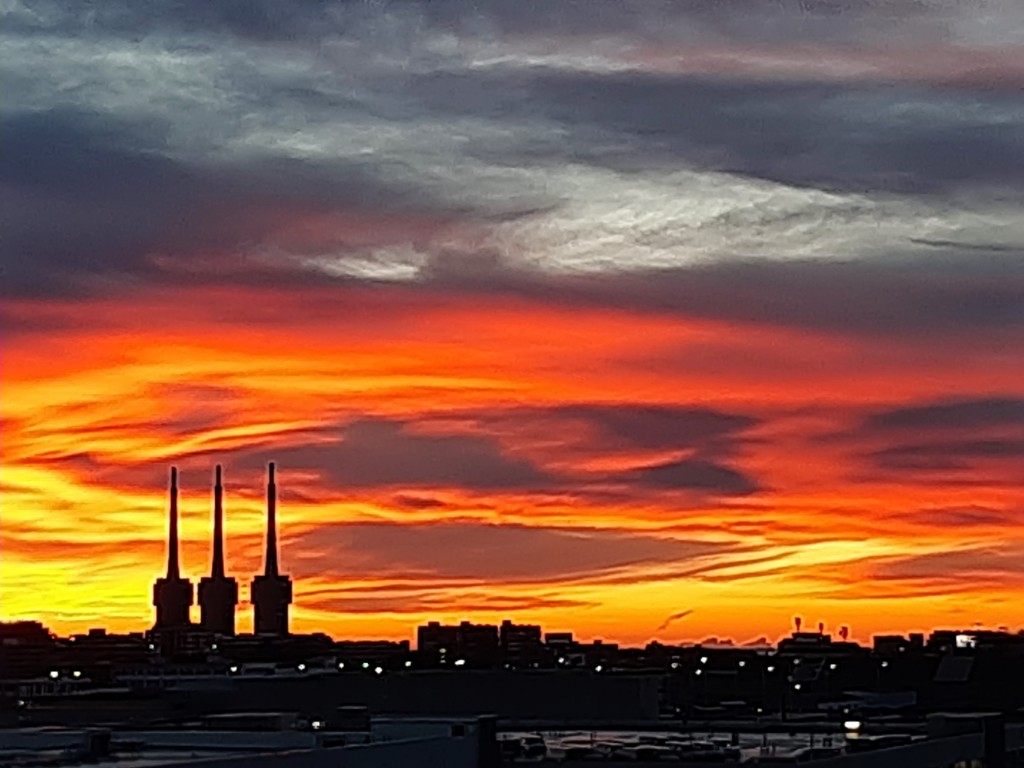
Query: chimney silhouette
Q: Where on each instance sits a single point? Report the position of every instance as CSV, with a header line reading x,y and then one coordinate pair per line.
x,y
173,571
172,595
218,594
270,561
217,567
271,591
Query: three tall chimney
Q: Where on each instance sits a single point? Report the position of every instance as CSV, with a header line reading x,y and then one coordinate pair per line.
x,y
218,592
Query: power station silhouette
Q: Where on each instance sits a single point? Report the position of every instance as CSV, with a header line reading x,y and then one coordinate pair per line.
x,y
271,591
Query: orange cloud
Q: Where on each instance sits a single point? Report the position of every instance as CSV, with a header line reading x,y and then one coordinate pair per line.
x,y
583,467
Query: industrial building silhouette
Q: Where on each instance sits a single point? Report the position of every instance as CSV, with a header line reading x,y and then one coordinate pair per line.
x,y
271,591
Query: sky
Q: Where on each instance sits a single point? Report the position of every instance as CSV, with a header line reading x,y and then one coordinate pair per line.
x,y
642,319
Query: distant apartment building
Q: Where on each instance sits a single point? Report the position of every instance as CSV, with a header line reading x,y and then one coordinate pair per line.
x,y
463,644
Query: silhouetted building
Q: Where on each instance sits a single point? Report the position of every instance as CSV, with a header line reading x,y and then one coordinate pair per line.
x,y
271,590
172,594
465,643
26,649
556,640
520,643
218,593
888,645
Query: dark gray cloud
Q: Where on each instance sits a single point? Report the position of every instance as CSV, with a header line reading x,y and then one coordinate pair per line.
x,y
482,553
962,413
377,453
695,475
828,136
112,193
94,201
945,294
952,437
625,425
372,453
947,456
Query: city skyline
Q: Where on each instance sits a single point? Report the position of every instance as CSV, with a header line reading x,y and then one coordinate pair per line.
x,y
637,319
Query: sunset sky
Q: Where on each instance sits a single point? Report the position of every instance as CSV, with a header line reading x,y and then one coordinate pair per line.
x,y
583,313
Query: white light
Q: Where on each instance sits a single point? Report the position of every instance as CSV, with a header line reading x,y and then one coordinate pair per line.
x,y
675,665
213,647
852,725
232,669
796,686
885,664
341,665
833,666
598,668
460,662
366,665
301,667
698,672
561,659
77,673
703,659
795,662
317,725
378,670
442,651
769,668
54,674
408,664
742,664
